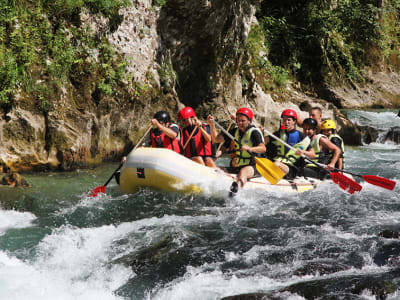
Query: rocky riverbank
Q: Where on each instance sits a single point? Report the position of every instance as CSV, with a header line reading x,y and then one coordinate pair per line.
x,y
178,54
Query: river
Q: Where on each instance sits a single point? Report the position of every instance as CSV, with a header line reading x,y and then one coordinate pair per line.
x,y
322,243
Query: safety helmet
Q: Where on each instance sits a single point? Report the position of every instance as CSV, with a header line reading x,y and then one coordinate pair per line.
x,y
162,116
245,111
289,113
310,122
186,113
328,124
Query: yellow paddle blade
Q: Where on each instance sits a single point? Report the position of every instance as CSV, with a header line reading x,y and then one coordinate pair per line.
x,y
269,170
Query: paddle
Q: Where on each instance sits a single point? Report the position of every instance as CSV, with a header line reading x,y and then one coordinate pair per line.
x,y
264,166
190,136
220,144
373,179
343,181
102,188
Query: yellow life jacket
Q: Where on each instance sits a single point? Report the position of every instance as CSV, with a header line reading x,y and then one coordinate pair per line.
x,y
317,149
341,146
243,158
290,157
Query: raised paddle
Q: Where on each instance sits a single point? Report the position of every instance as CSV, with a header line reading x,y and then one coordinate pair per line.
x,y
102,188
220,144
373,179
343,181
190,136
264,166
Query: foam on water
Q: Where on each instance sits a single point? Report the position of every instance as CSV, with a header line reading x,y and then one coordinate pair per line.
x,y
14,219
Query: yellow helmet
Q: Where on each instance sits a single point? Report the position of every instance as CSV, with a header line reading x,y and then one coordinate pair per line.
x,y
328,124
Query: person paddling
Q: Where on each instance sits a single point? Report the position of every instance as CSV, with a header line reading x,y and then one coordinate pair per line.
x,y
328,128
321,146
165,134
196,138
250,139
286,159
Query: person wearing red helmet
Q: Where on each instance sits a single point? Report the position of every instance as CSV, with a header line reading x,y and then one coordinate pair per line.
x,y
196,137
251,140
286,159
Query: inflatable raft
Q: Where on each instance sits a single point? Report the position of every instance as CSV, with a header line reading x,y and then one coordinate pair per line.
x,y
166,170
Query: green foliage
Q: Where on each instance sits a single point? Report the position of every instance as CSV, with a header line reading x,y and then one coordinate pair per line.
x,y
159,3
318,41
268,75
44,41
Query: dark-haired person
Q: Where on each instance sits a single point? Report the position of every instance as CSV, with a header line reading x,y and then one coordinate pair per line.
x,y
251,140
286,159
328,128
165,134
314,113
196,137
321,147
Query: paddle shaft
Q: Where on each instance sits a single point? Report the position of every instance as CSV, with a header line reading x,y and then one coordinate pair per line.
x,y
190,136
229,127
294,149
229,135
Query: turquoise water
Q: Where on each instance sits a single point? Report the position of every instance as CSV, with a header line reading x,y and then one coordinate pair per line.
x,y
153,245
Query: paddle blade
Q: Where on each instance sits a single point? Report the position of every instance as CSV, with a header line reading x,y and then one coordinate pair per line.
x,y
380,181
345,182
269,170
96,191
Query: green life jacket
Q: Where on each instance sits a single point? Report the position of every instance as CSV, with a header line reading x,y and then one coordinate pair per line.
x,y
341,146
321,157
289,158
243,157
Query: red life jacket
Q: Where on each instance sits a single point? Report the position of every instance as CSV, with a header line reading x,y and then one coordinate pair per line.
x,y
197,145
164,141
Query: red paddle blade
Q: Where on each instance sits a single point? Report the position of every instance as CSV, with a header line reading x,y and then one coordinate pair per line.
x,y
99,189
380,181
345,182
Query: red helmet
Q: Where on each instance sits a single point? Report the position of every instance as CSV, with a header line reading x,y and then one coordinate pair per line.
x,y
245,111
289,113
186,113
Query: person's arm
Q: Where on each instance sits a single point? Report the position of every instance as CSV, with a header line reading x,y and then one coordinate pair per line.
x,y
325,143
168,131
215,137
256,139
310,153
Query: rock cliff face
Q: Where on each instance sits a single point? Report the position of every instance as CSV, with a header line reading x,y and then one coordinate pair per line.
x,y
183,53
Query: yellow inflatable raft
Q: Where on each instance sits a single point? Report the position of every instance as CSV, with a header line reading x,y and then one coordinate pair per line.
x,y
165,170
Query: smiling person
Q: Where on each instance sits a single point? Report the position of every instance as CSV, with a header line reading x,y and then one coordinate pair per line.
x,y
286,159
196,138
322,151
314,113
250,139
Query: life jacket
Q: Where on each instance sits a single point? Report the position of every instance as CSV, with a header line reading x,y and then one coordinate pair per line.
x,y
285,154
334,135
321,157
244,158
197,145
164,141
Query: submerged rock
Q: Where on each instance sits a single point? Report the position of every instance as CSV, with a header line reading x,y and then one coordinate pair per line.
x,y
393,135
14,180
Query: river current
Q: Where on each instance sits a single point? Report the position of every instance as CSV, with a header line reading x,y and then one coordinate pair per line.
x,y
323,243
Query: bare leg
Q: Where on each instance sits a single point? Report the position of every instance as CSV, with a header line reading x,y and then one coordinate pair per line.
x,y
198,159
210,162
282,166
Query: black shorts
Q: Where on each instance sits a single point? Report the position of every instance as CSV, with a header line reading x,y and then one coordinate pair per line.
x,y
236,170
